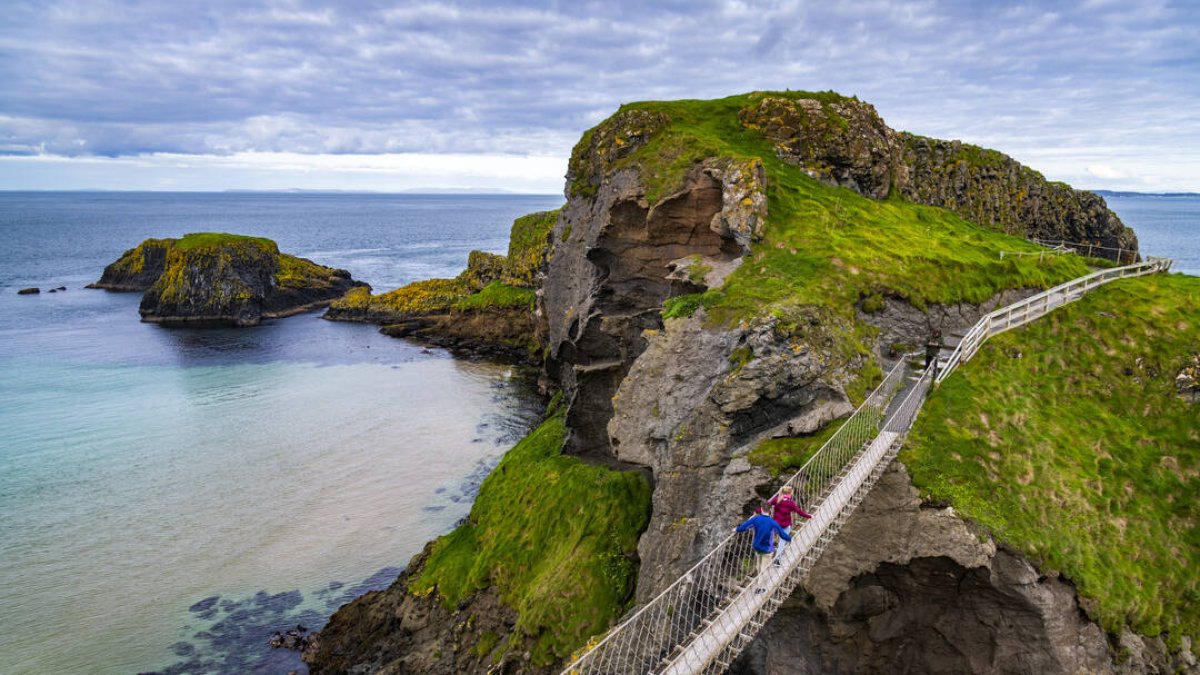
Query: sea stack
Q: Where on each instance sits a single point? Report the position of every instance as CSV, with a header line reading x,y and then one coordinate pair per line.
x,y
219,279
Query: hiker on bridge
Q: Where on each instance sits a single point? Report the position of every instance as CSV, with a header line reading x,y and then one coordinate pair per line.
x,y
933,347
765,529
785,506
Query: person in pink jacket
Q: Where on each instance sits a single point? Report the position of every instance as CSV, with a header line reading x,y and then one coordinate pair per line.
x,y
785,506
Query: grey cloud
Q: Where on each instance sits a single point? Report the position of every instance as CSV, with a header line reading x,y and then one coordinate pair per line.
x,y
223,76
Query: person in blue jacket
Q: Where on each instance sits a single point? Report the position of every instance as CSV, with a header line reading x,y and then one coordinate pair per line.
x,y
764,541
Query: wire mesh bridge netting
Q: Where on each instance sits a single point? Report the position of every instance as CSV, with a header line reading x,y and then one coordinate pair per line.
x,y
698,624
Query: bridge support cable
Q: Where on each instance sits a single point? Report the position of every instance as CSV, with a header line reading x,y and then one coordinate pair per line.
x,y
714,591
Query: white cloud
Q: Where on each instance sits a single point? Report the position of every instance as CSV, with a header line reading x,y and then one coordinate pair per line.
x,y
1106,172
284,170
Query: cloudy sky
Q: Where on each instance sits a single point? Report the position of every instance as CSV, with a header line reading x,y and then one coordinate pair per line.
x,y
161,94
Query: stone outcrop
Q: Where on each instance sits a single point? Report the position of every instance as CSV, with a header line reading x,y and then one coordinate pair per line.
x,y
498,332
138,268
396,632
222,279
488,310
991,189
844,142
907,586
837,140
1187,381
689,408
610,273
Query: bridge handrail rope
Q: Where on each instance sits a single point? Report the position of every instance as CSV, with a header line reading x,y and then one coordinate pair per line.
x,y
1022,312
1085,249
703,620
645,640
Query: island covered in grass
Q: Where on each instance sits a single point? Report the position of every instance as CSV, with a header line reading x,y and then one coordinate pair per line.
x,y
727,280
215,278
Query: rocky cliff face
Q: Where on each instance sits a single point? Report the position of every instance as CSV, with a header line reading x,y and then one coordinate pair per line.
x,y
610,274
222,279
138,268
993,190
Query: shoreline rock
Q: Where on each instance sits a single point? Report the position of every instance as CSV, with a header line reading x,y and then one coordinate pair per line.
x,y
217,279
488,310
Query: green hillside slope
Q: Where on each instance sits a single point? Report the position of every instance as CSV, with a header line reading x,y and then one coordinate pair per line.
x,y
1070,441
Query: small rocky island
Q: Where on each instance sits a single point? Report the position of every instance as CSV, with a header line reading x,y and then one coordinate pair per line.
x,y
210,278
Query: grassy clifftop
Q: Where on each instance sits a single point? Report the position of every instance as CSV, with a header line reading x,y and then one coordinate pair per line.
x,y
823,245
556,536
1070,441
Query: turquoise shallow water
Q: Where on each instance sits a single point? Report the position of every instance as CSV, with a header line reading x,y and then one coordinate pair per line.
x,y
171,497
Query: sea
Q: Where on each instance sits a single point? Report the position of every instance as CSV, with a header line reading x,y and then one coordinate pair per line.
x,y
1167,226
171,497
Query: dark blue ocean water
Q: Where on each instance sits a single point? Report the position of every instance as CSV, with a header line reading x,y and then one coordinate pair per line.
x,y
1166,226
281,469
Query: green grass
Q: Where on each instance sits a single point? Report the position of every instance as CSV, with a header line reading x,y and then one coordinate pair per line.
x,y
498,295
207,239
555,536
1068,441
786,455
825,248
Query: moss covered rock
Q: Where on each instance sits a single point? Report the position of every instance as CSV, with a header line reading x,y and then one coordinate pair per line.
x,y
835,139
138,268
488,309
997,192
528,249
222,279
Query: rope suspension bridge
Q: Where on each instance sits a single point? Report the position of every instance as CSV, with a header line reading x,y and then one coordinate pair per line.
x,y
702,621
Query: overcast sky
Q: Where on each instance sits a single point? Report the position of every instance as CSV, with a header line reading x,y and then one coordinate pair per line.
x,y
161,94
